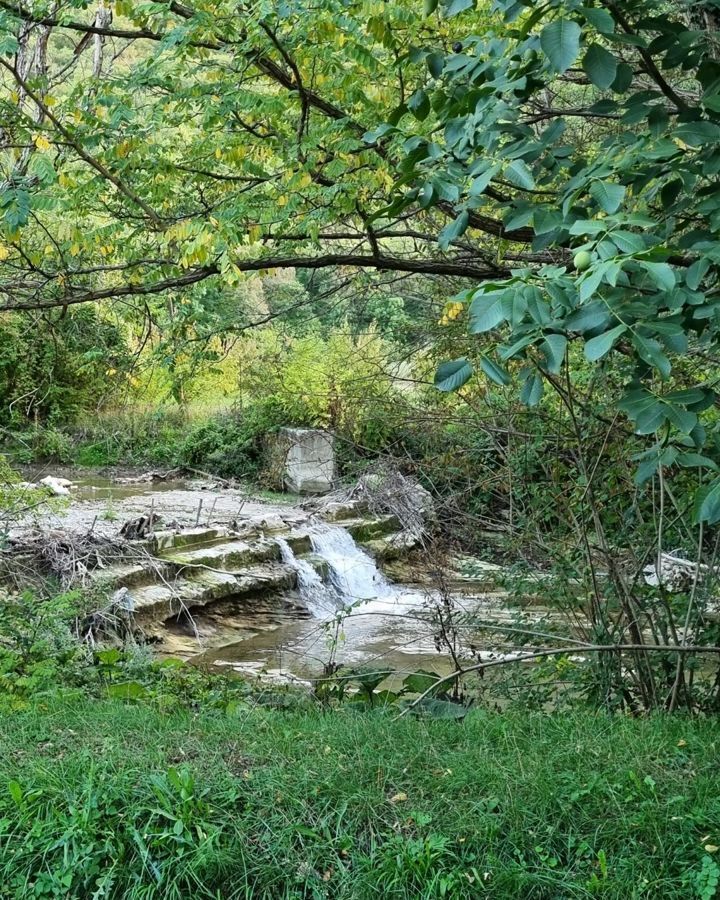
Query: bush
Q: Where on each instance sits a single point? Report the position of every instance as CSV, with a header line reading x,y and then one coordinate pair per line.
x,y
232,445
338,382
51,374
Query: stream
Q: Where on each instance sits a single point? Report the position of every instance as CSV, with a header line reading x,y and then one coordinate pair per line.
x,y
357,617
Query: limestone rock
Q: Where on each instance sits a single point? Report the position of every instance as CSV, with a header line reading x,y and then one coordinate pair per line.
x,y
301,460
60,487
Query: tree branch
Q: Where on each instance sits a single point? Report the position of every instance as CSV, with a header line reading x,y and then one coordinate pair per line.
x,y
380,263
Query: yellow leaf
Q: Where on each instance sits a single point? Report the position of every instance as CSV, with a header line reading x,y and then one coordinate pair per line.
x,y
41,142
218,153
4,252
75,249
682,742
399,798
711,848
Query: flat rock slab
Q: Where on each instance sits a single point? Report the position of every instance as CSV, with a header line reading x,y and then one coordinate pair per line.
x,y
156,603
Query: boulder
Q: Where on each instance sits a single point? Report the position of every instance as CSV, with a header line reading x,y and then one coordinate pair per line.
x,y
60,487
301,460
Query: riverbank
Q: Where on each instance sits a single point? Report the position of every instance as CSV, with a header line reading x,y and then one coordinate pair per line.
x,y
106,798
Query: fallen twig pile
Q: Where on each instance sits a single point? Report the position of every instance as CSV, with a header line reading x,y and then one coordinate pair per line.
x,y
64,556
386,490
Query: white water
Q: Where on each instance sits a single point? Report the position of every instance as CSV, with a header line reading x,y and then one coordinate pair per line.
x,y
353,572
321,599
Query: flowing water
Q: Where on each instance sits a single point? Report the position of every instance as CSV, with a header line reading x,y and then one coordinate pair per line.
x,y
353,572
321,599
357,616
382,624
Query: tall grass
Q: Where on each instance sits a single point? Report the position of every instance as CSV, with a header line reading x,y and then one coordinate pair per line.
x,y
106,799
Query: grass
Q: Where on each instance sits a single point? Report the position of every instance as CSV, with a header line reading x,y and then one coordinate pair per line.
x,y
111,799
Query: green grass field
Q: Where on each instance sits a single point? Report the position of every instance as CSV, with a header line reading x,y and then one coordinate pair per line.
x,y
110,799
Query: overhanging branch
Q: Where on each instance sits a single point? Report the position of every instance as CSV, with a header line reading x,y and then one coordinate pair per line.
x,y
330,260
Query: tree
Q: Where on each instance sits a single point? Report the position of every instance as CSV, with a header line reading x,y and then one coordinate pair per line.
x,y
594,130
205,149
563,156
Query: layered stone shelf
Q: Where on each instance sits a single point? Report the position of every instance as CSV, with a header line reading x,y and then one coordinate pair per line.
x,y
174,574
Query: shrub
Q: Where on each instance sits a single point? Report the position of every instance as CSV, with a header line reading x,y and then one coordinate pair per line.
x,y
51,374
232,445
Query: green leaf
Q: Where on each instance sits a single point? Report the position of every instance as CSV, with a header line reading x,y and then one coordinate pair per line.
x,y
600,19
453,7
16,792
661,273
9,45
645,410
487,311
560,42
698,134
697,271
608,196
684,420
650,351
451,376
623,79
420,681
532,391
588,226
384,698
692,460
42,166
494,372
598,346
419,105
519,174
483,180
627,241
127,690
588,318
707,505
452,231
554,347
369,680
600,66
436,64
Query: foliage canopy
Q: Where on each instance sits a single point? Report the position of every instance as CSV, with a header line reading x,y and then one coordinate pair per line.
x,y
562,156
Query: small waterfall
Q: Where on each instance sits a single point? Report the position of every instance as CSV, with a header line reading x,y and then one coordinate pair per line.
x,y
321,599
353,573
